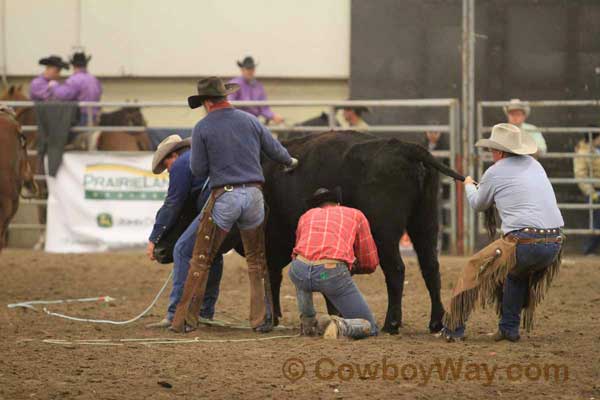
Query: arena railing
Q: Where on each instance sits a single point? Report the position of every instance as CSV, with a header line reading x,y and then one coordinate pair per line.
x,y
453,229
478,161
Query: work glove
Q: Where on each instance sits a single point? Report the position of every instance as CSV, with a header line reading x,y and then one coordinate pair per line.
x,y
292,166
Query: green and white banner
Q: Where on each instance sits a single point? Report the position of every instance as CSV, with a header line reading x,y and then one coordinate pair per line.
x,y
103,201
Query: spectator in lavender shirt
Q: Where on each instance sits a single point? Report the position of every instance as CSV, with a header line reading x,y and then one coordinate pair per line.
x,y
251,89
81,86
43,86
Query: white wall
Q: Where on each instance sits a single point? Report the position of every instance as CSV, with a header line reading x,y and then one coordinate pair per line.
x,y
288,38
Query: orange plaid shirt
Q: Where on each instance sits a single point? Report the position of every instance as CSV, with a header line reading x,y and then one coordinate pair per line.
x,y
337,233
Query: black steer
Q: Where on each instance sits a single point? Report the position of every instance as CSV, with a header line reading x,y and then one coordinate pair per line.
x,y
395,184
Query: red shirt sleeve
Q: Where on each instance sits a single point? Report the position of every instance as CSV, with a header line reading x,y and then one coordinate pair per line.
x,y
365,249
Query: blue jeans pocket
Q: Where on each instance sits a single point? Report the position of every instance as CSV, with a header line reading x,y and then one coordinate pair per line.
x,y
298,274
331,279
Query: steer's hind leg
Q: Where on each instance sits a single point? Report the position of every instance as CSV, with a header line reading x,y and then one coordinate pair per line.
x,y
423,232
430,270
278,256
393,269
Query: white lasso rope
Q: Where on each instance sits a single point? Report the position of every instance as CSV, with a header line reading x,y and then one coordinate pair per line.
x,y
154,341
30,304
107,321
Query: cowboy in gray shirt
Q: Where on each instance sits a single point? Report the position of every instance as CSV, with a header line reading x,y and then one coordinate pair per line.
x,y
519,187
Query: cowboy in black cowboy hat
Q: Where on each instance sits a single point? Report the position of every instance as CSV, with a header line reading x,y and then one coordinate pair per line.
x,y
226,146
331,241
42,87
80,60
251,89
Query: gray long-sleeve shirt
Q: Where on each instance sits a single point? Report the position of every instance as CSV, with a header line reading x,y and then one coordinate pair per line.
x,y
226,146
522,192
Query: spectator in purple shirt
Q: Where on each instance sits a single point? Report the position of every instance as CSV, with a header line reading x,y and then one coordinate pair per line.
x,y
42,87
251,89
81,86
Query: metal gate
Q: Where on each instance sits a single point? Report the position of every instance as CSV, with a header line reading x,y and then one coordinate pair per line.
x,y
476,163
451,229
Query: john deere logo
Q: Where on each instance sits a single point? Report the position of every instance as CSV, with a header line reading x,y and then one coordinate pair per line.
x,y
122,182
104,220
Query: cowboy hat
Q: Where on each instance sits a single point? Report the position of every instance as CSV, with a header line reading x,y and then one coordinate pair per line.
x,y
516,104
166,147
211,87
510,139
323,195
79,59
247,62
54,61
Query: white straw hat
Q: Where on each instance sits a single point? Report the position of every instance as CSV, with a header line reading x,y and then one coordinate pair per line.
x,y
516,104
166,147
509,138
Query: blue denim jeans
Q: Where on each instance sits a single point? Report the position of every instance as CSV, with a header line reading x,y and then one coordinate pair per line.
x,y
514,293
335,283
181,263
243,205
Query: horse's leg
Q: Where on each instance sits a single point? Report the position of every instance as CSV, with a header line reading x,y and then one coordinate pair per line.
x,y
143,141
42,208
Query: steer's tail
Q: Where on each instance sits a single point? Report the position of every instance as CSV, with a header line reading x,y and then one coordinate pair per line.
x,y
420,153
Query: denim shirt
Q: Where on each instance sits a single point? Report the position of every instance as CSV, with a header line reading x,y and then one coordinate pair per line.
x,y
182,184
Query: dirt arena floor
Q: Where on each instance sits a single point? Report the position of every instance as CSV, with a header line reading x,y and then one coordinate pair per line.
x,y
559,360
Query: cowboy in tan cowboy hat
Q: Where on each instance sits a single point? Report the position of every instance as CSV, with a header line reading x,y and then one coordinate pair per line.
x,y
513,266
517,112
173,154
166,152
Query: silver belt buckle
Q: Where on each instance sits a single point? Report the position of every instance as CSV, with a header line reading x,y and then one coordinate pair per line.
x,y
228,188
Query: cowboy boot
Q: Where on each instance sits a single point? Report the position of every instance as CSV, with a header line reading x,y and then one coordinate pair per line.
x,y
254,249
208,241
308,326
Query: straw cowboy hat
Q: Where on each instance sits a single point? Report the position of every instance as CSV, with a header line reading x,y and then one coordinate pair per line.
x,y
211,87
510,139
166,147
516,104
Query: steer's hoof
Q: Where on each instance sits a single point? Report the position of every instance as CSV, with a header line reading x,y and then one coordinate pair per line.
x,y
391,329
435,327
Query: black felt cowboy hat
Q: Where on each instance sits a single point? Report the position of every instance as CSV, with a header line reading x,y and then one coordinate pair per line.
x,y
359,110
54,61
324,195
247,62
211,87
79,59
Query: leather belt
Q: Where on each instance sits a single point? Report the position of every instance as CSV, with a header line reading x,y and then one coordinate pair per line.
x,y
217,191
325,262
541,231
518,240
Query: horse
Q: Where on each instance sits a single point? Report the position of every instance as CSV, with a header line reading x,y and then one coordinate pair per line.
x,y
15,169
124,141
107,141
